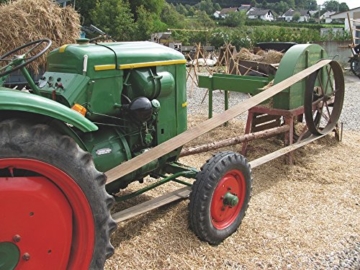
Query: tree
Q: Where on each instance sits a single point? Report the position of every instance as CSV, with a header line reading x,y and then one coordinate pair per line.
x,y
144,24
115,18
153,6
343,7
207,6
171,17
235,19
291,3
84,7
204,20
217,7
281,7
253,3
264,4
296,16
181,9
312,5
331,5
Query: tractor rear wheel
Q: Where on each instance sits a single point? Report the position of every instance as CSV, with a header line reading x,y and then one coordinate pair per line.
x,y
54,207
220,197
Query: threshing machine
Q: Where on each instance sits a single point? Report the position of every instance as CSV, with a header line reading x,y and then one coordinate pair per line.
x,y
104,115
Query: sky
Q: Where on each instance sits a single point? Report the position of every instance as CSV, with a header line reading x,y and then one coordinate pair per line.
x,y
351,3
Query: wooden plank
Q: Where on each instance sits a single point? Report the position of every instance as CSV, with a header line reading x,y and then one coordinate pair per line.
x,y
191,134
180,194
266,126
183,193
264,118
259,161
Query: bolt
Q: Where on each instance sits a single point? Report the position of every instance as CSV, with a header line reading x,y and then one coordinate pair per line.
x,y
16,238
26,256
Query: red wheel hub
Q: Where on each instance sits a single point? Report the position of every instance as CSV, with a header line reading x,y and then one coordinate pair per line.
x,y
47,217
224,214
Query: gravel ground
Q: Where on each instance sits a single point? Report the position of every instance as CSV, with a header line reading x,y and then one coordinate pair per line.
x,y
349,257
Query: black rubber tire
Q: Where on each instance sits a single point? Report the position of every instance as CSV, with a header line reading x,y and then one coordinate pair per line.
x,y
355,66
203,191
19,139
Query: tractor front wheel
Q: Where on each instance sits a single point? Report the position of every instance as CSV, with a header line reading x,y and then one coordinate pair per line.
x,y
55,212
220,197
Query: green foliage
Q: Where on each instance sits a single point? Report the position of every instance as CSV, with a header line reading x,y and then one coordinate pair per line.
x,y
171,17
181,9
343,7
334,5
146,24
235,19
84,8
204,21
296,16
285,24
152,6
115,18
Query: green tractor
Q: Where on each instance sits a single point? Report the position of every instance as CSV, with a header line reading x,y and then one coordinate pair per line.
x,y
95,107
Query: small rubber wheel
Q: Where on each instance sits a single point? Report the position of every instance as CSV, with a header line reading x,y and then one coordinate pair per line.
x,y
355,66
220,197
55,209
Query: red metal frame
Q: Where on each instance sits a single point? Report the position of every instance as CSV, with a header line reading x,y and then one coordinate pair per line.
x,y
289,117
224,215
48,217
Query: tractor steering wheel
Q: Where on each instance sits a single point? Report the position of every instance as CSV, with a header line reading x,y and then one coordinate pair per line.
x,y
18,61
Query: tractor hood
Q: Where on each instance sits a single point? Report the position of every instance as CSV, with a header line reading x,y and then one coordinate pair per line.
x,y
88,58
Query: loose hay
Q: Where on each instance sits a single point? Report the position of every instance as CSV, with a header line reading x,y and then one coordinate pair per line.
x,y
29,20
273,57
269,57
297,213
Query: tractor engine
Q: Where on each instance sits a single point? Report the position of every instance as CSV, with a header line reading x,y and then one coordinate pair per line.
x,y
134,92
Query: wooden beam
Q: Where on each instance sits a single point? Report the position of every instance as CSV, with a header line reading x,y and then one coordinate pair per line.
x,y
191,134
259,161
180,194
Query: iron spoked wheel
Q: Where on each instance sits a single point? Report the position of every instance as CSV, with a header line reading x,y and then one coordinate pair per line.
x,y
355,66
220,197
55,210
324,98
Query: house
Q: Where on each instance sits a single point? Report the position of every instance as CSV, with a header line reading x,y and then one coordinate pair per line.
x,y
326,17
222,14
216,14
304,15
244,8
262,14
225,12
352,24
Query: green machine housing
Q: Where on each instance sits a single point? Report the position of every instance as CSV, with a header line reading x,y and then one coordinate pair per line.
x,y
133,91
296,59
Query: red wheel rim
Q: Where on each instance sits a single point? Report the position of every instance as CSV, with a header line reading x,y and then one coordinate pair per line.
x,y
224,215
63,189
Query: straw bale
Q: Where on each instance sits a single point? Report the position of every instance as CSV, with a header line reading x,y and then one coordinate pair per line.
x,y
30,20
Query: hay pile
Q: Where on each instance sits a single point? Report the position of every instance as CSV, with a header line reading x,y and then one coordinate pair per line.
x,y
269,57
300,216
30,20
